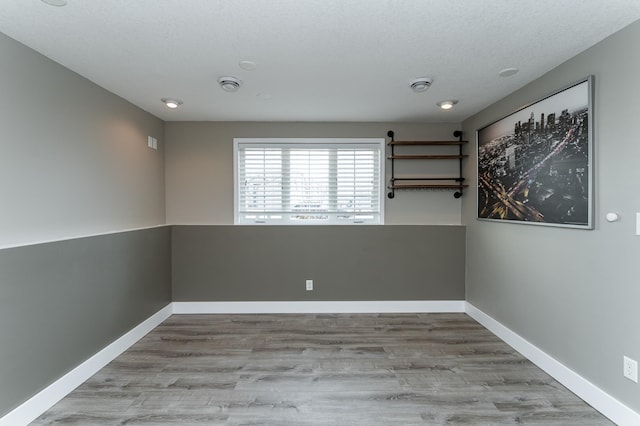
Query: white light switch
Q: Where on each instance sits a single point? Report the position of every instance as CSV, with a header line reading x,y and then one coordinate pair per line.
x,y
637,223
152,142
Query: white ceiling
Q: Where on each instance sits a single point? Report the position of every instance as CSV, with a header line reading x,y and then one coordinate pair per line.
x,y
317,60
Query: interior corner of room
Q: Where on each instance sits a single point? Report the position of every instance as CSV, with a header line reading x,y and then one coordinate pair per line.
x,y
101,228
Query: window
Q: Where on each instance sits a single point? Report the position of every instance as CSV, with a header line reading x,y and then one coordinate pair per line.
x,y
308,181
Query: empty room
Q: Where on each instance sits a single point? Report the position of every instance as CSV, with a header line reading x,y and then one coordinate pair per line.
x,y
303,212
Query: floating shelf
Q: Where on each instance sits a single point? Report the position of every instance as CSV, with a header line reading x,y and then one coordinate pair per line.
x,y
427,143
426,186
425,157
455,183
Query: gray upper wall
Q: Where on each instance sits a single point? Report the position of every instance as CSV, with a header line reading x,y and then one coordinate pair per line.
x,y
199,168
74,156
573,293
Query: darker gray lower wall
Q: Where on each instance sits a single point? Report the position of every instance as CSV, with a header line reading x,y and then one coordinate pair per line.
x,y
64,301
271,263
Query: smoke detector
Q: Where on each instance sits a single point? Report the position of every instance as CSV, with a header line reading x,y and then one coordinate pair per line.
x,y
229,84
420,84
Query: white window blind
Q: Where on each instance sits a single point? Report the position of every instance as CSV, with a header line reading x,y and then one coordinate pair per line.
x,y
315,181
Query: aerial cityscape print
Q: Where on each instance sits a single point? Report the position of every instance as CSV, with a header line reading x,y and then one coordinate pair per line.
x,y
535,165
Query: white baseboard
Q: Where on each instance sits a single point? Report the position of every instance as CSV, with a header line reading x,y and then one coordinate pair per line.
x,y
45,399
328,307
615,410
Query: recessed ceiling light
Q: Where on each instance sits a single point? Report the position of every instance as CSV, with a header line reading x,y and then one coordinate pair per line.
x,y
57,3
507,72
247,65
447,104
229,84
420,84
171,103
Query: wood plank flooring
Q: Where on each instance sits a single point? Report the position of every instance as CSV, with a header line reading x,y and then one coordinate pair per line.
x,y
356,369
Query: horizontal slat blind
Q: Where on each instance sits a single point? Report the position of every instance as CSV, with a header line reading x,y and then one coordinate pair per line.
x,y
308,183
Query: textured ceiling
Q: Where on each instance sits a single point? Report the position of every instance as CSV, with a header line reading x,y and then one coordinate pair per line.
x,y
317,60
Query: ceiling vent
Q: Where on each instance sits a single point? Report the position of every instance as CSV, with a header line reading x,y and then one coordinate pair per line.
x,y
420,84
229,84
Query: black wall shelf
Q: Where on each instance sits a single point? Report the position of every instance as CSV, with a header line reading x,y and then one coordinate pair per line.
x,y
448,183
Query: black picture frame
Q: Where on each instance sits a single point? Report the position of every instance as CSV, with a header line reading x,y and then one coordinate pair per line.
x,y
535,165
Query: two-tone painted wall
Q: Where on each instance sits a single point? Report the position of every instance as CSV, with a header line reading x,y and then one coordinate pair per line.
x,y
74,164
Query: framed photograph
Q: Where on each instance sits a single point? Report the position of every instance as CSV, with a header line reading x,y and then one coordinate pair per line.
x,y
535,166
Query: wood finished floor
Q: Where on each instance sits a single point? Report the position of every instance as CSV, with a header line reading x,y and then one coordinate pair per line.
x,y
364,369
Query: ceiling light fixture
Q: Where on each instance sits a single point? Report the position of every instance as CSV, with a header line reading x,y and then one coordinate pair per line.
x,y
447,104
57,3
508,72
171,103
229,84
420,84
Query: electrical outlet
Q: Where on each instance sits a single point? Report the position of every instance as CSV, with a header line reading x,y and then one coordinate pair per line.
x,y
630,369
309,285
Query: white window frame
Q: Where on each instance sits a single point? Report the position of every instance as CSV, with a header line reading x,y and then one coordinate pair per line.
x,y
275,142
